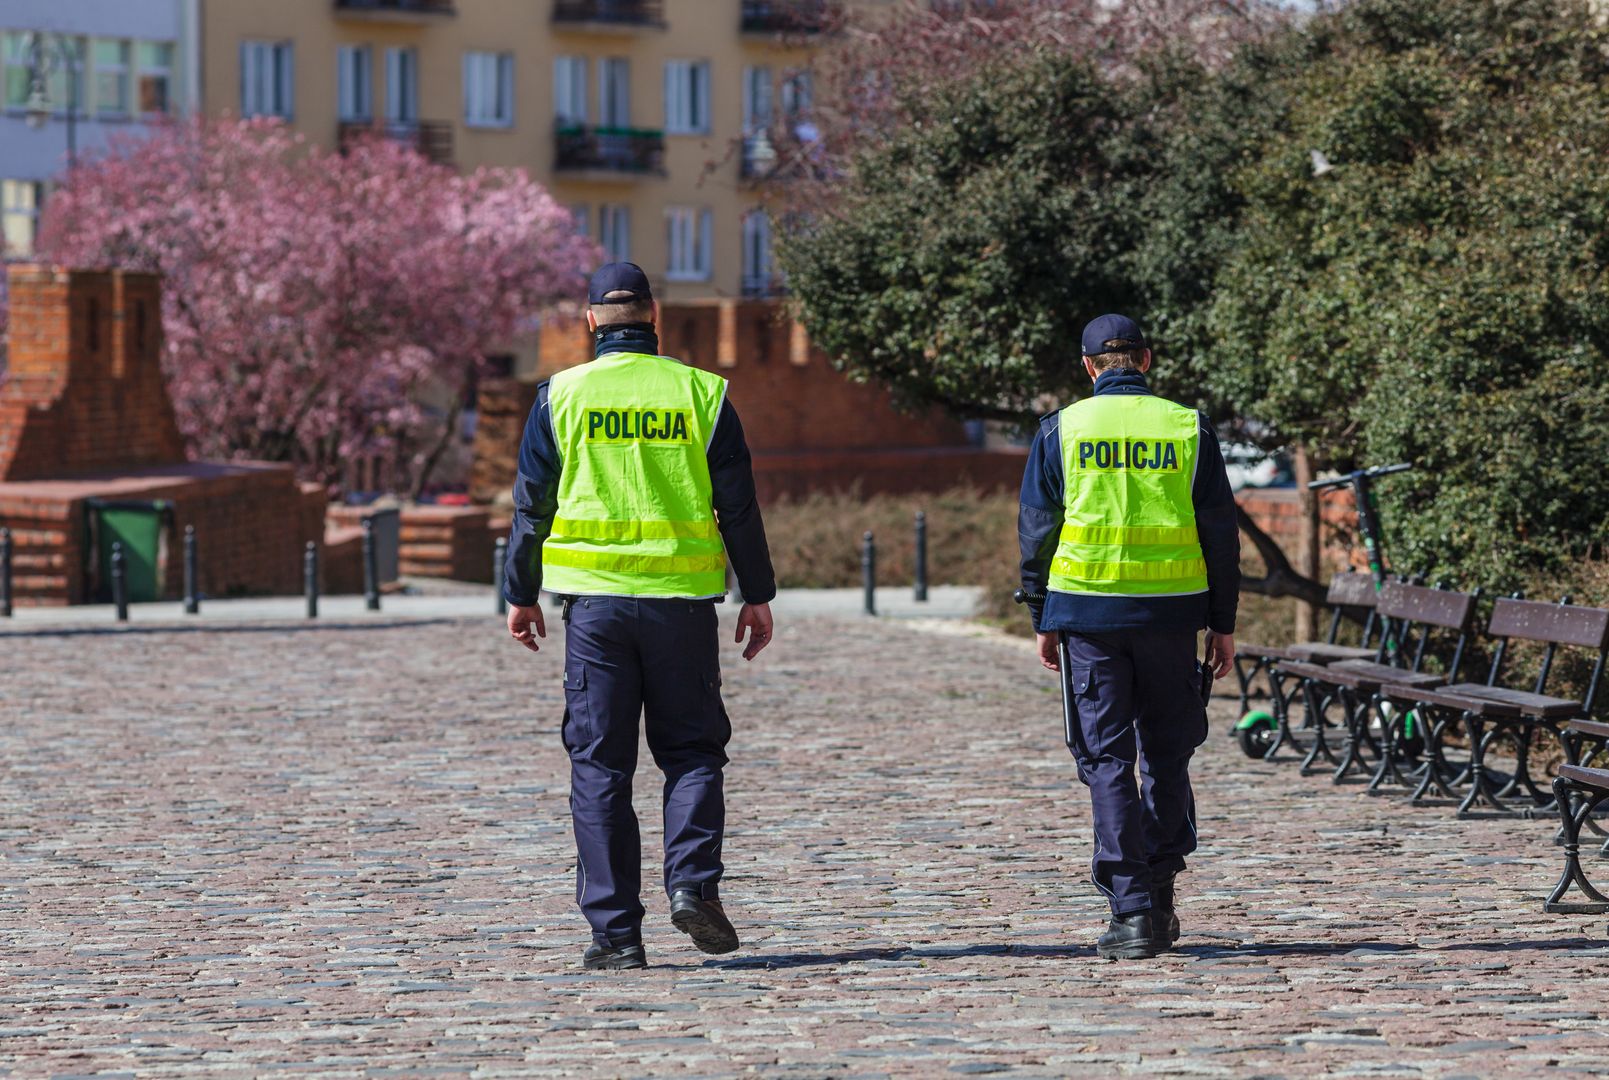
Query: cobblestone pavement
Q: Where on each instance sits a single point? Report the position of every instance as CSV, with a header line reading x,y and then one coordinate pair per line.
x,y
287,850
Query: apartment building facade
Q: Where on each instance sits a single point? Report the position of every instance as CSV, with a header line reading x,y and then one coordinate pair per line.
x,y
657,122
74,74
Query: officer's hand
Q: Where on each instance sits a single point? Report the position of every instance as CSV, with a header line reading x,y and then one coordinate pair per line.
x,y
1049,654
757,619
521,621
1220,653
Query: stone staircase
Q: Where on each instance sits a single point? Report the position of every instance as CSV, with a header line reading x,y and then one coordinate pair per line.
x,y
42,536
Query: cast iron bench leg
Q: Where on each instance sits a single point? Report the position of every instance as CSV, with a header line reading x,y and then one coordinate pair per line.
x,y
1316,708
1572,812
1480,786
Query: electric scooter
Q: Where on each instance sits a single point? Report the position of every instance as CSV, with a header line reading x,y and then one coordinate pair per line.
x,y
1257,730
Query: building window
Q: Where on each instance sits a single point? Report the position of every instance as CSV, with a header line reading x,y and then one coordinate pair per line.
x,y
614,231
570,90
687,97
756,99
14,56
354,72
267,78
583,219
489,89
689,235
759,276
20,201
111,77
614,92
155,79
402,86
798,94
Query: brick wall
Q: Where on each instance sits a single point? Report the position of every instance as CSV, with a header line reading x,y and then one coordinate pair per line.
x,y
85,392
502,406
437,541
1278,512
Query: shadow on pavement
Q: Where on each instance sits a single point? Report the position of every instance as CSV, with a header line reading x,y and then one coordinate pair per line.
x,y
1273,949
266,627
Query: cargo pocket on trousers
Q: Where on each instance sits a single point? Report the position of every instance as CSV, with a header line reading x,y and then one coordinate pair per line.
x,y
575,732
712,694
1081,690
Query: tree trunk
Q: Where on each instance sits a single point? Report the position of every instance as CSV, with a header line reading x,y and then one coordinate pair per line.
x,y
432,458
1281,578
1308,552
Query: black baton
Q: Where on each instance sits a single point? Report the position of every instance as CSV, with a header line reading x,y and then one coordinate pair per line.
x,y
1064,657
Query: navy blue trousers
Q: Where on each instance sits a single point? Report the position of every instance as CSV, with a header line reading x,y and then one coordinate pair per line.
x,y
1122,683
624,659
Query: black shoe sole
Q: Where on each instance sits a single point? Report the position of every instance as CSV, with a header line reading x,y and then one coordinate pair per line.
x,y
1131,950
616,963
708,936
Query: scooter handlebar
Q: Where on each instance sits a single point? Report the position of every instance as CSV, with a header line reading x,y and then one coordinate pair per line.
x,y
1342,481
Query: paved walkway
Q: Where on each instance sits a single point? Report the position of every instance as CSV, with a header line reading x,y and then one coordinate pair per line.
x,y
344,850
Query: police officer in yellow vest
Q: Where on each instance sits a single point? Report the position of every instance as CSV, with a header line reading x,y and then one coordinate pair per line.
x,y
1130,547
634,486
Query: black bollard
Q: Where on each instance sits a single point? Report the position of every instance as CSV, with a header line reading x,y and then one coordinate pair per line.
x,y
5,573
868,571
371,569
120,582
192,586
499,556
921,557
310,578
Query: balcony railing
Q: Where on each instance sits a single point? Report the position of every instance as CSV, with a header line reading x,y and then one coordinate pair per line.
x,y
432,138
622,14
396,10
628,151
788,16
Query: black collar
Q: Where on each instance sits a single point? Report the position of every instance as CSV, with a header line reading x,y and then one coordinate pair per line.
x,y
1121,381
626,338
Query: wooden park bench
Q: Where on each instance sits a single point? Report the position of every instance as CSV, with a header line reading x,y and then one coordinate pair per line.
x,y
1489,713
1578,791
1351,593
1418,623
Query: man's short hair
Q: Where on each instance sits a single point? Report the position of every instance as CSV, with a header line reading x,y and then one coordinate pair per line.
x,y
629,311
1119,354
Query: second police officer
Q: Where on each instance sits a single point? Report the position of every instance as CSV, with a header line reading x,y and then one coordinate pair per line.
x,y
1130,547
635,485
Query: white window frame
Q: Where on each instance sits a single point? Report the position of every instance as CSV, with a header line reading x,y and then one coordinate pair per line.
x,y
489,89
570,90
687,97
759,265
268,79
125,71
798,94
614,92
759,98
689,236
142,71
354,74
12,209
402,85
614,231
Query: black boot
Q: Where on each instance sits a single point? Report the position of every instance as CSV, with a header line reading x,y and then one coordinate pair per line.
x,y
1129,937
702,920
613,957
1164,913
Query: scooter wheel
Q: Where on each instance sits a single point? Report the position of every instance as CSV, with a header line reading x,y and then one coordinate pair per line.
x,y
1256,732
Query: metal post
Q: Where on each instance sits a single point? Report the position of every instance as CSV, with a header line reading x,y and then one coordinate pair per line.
x,y
499,554
310,578
5,573
192,584
921,557
868,571
371,570
120,582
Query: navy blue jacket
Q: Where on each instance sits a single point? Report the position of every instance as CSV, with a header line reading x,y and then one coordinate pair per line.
x,y
536,492
1039,523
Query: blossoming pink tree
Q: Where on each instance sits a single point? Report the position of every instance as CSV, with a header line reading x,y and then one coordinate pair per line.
x,y
310,296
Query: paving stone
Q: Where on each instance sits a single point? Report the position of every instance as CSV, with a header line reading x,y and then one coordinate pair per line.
x,y
345,850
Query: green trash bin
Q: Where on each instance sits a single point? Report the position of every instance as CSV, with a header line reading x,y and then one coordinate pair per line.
x,y
143,528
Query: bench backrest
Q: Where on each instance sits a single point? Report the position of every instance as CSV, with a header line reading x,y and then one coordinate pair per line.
x,y
1428,607
1351,589
1558,624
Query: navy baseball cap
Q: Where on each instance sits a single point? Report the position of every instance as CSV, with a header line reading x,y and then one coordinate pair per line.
x,y
619,277
1112,328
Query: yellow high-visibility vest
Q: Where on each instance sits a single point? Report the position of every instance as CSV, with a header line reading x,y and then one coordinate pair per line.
x,y
1130,524
635,515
